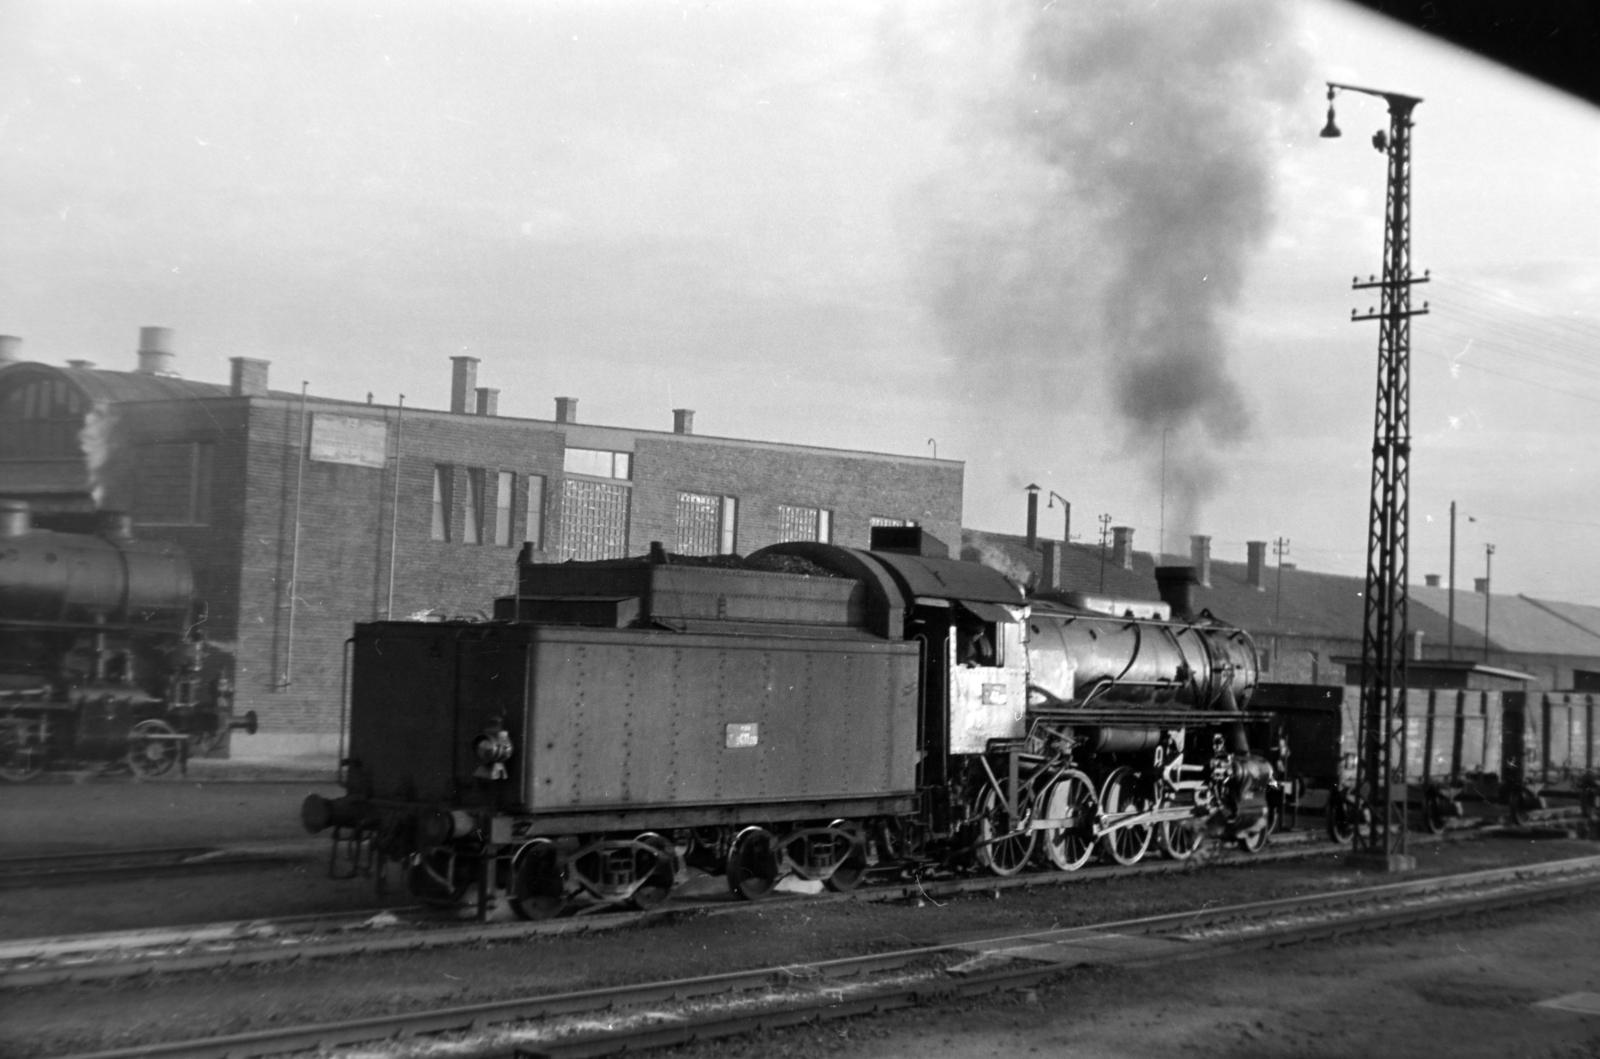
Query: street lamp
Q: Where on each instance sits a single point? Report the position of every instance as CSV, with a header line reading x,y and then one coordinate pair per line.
x,y
1381,763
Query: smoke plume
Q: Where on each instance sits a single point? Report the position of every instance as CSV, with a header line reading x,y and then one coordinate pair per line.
x,y
96,441
1117,179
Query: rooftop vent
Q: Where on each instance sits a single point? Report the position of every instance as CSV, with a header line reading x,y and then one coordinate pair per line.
x,y
155,351
566,409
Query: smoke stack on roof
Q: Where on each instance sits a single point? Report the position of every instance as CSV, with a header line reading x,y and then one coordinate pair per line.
x,y
463,381
80,365
488,401
1122,547
10,349
1176,586
566,409
248,377
1050,576
683,420
155,351
1200,558
1256,564
1431,580
1480,585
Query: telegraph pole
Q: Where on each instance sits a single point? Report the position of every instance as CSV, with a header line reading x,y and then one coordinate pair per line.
x,y
1105,528
1381,761
1488,589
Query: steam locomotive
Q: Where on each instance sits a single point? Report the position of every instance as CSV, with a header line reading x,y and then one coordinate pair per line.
x,y
811,711
101,656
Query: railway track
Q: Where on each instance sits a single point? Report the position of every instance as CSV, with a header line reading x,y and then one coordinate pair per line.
x,y
56,869
631,1018
33,962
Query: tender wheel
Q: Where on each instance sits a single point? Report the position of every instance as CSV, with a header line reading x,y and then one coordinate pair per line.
x,y
440,878
848,875
1071,797
150,755
1180,839
753,864
1126,845
1341,819
999,850
538,881
659,875
1433,814
1255,839
21,758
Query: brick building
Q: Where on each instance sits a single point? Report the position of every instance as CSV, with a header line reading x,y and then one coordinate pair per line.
x,y
301,514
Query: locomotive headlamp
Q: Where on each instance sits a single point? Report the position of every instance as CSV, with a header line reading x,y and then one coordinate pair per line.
x,y
493,748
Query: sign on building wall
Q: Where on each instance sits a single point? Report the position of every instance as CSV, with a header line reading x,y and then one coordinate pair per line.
x,y
349,439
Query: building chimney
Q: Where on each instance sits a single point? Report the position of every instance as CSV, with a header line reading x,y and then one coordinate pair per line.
x,y
463,381
81,365
155,351
488,401
1431,580
683,420
1256,564
248,377
1050,576
566,409
1176,586
10,349
1122,546
1200,557
1480,585
1033,515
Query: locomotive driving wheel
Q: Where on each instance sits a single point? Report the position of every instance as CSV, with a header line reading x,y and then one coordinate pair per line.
x,y
753,863
152,749
1180,839
1127,844
1071,797
1004,844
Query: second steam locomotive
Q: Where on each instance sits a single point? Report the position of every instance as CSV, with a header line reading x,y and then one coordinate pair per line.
x,y
811,710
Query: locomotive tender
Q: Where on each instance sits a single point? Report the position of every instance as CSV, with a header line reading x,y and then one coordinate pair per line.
x,y
811,710
100,656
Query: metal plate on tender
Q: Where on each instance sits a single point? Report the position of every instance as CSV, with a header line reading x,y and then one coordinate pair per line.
x,y
743,735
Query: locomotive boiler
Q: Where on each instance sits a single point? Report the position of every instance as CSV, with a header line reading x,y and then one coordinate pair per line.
x,y
811,711
101,659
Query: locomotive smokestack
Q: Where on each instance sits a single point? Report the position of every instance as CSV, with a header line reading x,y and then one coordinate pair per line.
x,y
1200,557
15,519
1176,586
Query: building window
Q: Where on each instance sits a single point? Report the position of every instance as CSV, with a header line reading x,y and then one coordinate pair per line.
x,y
885,520
730,525
1585,680
599,463
534,532
472,510
700,524
594,520
40,419
804,524
173,485
443,493
505,486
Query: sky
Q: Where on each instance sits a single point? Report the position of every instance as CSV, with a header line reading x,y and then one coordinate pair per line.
x,y
1097,246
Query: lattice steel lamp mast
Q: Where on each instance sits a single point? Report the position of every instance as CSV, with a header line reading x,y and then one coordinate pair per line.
x,y
1381,760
